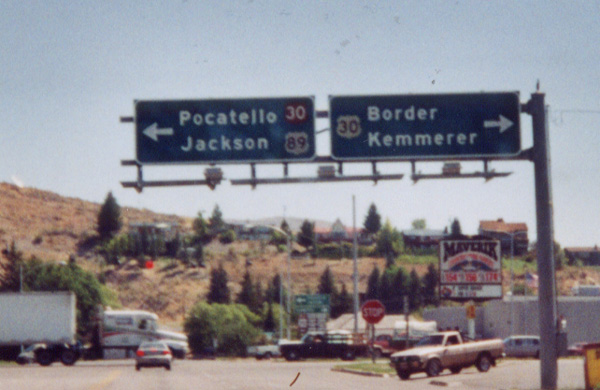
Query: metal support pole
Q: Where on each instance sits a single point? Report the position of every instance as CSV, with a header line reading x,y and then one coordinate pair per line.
x,y
355,261
545,243
512,290
281,305
289,288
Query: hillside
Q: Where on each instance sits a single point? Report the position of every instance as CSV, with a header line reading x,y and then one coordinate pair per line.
x,y
50,227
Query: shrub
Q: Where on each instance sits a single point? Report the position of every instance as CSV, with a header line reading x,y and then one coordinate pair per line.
x,y
233,327
227,237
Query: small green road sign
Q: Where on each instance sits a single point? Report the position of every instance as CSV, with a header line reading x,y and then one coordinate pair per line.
x,y
314,303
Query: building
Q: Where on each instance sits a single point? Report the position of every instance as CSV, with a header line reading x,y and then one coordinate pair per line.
x,y
510,234
164,230
588,256
520,315
340,233
423,238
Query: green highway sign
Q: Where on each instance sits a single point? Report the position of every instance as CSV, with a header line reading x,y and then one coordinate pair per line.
x,y
425,126
225,130
313,303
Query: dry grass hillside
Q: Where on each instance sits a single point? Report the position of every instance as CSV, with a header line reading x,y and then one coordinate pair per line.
x,y
50,227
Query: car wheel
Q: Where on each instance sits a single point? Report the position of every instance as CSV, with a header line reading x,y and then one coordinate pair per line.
x,y
348,355
137,367
291,355
403,374
44,358
267,355
484,362
168,367
434,368
68,357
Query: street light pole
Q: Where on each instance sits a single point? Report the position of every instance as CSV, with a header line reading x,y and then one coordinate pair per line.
x,y
289,288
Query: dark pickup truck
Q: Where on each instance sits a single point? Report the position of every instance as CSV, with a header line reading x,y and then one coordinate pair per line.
x,y
342,345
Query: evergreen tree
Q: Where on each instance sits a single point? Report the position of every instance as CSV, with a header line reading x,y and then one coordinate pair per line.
x,y
10,276
306,238
217,225
385,292
218,290
342,302
389,243
414,287
274,289
455,230
399,288
285,227
372,222
430,286
201,230
109,218
269,325
246,295
373,284
327,283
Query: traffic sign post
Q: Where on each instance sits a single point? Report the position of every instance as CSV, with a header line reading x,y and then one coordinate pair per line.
x,y
225,130
479,125
373,312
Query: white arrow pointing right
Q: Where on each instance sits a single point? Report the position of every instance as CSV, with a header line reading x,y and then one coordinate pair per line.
x,y
503,123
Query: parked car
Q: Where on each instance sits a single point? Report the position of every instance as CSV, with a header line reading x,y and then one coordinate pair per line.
x,y
153,354
263,351
576,349
522,346
179,349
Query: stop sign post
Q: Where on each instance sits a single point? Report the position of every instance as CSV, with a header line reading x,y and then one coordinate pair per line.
x,y
373,312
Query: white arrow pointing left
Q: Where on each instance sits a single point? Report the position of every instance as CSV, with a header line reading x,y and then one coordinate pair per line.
x,y
503,123
153,131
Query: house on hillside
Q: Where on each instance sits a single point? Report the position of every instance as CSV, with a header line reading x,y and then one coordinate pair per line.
x,y
588,256
418,239
164,230
510,234
340,233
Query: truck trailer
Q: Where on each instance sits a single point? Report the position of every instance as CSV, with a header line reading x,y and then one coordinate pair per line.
x,y
47,319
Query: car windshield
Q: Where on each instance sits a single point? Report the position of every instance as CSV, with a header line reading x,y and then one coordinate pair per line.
x,y
431,340
153,346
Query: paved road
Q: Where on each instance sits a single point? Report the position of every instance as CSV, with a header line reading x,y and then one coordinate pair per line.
x,y
249,374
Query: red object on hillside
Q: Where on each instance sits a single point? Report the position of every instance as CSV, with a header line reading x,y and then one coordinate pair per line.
x,y
149,264
373,311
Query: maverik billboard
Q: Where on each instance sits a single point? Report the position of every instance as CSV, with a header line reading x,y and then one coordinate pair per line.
x,y
470,269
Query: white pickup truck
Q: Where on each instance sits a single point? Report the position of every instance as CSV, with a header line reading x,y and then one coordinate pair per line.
x,y
439,351
263,351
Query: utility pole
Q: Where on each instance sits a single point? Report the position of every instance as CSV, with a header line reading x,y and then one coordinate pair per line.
x,y
545,242
355,258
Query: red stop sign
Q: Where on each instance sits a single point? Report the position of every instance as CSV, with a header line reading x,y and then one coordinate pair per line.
x,y
373,311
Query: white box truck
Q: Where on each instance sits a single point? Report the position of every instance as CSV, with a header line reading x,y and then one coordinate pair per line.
x,y
47,319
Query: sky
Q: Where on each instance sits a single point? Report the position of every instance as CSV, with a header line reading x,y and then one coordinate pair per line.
x,y
70,70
